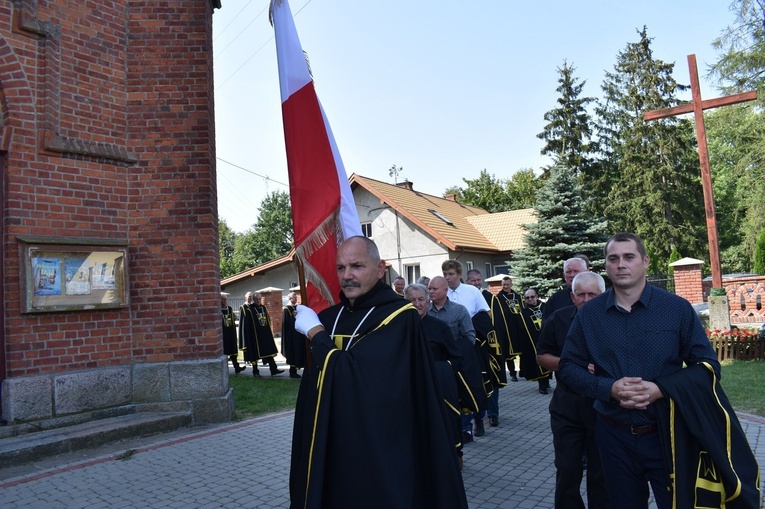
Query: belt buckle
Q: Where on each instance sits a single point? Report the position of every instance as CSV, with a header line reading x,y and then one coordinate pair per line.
x,y
635,430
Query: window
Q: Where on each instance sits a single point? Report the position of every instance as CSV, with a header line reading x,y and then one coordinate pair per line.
x,y
501,269
412,273
441,217
488,271
366,230
468,266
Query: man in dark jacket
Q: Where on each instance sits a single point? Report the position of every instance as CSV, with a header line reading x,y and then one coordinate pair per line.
x,y
572,418
369,424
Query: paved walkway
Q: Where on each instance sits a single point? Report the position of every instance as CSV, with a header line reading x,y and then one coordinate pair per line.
x,y
246,465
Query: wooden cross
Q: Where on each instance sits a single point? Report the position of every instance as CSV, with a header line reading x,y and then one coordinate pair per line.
x,y
697,107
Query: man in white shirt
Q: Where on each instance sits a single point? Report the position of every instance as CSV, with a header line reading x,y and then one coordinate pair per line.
x,y
486,340
461,293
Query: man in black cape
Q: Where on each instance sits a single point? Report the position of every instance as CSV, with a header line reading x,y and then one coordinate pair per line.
x,y
447,359
562,298
255,334
369,425
525,339
293,343
229,333
506,309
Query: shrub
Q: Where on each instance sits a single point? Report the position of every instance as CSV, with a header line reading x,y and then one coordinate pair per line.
x,y
735,334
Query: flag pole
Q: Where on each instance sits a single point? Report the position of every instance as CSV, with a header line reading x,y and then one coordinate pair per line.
x,y
304,301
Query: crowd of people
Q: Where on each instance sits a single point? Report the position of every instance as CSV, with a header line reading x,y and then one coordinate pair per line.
x,y
400,378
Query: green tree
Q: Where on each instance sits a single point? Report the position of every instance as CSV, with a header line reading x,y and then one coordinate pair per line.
x,y
273,229
742,47
564,228
568,130
226,242
271,235
245,251
736,139
649,178
522,189
487,192
673,257
498,195
759,254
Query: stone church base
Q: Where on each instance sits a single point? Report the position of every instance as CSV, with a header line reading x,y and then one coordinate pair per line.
x,y
199,388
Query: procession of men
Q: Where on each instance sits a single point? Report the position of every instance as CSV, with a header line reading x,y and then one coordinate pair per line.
x,y
390,398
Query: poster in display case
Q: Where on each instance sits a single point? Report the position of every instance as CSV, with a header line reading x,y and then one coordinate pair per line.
x,y
73,274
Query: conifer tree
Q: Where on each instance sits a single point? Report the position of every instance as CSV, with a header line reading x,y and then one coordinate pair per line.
x,y
742,49
648,181
564,228
569,127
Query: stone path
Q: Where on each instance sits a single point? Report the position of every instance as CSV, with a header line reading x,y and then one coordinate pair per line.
x,y
246,465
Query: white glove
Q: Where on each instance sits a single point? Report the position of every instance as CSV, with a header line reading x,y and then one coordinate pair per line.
x,y
305,319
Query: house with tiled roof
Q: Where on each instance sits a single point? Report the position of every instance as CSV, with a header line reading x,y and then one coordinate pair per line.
x,y
415,232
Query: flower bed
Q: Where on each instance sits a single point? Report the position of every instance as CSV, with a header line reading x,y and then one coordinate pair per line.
x,y
737,344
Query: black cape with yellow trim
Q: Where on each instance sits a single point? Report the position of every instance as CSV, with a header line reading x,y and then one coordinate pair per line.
x,y
470,378
293,343
505,312
255,335
493,355
709,459
523,342
369,426
447,361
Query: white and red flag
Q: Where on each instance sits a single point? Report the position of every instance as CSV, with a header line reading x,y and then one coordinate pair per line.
x,y
323,211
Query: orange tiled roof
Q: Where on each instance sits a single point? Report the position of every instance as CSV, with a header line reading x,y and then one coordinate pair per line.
x,y
505,229
424,211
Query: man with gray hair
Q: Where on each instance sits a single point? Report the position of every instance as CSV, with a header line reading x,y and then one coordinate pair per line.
x,y
458,319
293,343
562,297
572,417
255,334
369,413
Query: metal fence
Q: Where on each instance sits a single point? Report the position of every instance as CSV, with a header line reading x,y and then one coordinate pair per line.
x,y
662,281
235,303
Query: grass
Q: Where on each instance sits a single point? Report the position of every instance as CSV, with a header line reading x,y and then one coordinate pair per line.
x,y
259,396
744,382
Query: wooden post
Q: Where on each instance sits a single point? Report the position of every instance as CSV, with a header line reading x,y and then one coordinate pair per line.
x,y
697,107
304,299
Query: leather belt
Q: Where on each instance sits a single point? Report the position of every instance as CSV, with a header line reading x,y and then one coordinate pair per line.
x,y
635,429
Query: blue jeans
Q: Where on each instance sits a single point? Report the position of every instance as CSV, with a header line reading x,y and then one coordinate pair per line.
x,y
630,462
467,422
493,404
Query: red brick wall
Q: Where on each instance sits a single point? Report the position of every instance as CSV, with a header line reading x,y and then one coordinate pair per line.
x,y
273,303
107,133
688,283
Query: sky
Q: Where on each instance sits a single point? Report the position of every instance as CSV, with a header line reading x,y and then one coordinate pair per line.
x,y
443,89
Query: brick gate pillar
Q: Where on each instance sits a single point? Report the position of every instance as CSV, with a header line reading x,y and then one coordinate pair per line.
x,y
272,299
688,279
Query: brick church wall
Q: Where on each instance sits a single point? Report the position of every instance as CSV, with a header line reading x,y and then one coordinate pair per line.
x,y
107,133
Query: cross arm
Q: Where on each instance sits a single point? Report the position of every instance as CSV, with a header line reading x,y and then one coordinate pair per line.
x,y
705,105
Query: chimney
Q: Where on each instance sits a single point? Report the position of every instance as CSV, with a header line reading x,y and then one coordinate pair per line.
x,y
451,197
406,185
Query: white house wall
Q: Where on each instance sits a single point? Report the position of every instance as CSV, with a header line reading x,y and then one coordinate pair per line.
x,y
399,241
283,277
400,244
